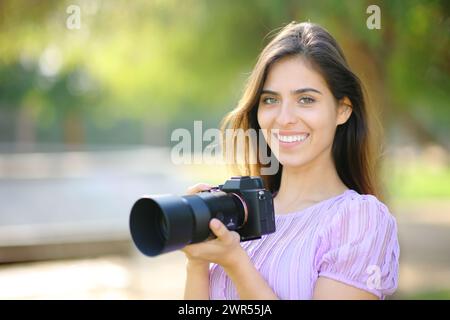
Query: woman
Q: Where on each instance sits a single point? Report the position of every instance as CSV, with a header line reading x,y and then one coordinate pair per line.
x,y
334,238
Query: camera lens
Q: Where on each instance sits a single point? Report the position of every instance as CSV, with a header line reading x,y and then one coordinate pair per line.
x,y
165,223
163,227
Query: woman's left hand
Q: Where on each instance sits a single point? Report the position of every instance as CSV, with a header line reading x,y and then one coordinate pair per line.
x,y
225,250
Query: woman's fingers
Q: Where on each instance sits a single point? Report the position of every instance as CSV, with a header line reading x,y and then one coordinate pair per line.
x,y
217,228
222,232
220,250
198,188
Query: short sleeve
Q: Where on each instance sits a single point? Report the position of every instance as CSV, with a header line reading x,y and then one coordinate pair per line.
x,y
359,246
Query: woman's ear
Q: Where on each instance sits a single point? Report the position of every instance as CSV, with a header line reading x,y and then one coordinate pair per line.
x,y
344,111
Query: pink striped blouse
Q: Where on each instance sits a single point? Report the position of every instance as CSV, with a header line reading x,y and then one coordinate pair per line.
x,y
350,238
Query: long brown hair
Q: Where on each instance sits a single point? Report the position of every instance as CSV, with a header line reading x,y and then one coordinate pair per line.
x,y
352,151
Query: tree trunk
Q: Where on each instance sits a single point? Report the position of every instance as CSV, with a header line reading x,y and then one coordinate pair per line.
x,y
25,129
73,129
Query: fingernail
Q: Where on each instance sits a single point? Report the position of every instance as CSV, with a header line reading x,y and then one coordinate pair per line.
x,y
215,223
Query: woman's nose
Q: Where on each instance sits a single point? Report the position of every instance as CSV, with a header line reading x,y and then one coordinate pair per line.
x,y
286,115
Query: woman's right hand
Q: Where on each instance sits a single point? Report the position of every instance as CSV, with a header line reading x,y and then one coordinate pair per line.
x,y
192,261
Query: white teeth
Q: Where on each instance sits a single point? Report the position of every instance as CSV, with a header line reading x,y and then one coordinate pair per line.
x,y
292,138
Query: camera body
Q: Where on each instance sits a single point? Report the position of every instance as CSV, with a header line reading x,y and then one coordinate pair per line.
x,y
259,202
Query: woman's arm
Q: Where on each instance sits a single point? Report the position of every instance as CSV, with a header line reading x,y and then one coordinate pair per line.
x,y
197,270
249,283
227,252
197,280
329,289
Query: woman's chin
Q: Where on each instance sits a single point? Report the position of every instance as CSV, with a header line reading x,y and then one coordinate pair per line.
x,y
290,162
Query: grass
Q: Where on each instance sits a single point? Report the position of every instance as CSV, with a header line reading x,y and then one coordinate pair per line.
x,y
429,295
417,181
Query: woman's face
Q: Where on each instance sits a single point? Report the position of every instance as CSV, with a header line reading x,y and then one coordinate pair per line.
x,y
296,101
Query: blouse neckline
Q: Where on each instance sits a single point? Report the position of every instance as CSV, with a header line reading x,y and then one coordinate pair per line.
x,y
298,212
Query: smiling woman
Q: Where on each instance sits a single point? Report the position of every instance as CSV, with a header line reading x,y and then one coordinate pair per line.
x,y
334,239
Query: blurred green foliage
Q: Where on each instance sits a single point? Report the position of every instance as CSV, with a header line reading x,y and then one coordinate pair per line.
x,y
167,63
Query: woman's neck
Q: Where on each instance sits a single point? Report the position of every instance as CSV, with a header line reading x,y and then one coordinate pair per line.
x,y
313,182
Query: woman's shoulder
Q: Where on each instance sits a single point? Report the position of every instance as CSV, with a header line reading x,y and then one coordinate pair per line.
x,y
352,200
356,208
359,239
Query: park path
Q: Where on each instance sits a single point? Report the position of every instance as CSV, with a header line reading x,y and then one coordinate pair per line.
x,y
84,198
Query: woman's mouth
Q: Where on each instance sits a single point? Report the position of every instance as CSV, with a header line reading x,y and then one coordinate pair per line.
x,y
290,140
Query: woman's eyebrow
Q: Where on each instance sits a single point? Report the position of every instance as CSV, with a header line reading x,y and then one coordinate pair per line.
x,y
293,92
302,90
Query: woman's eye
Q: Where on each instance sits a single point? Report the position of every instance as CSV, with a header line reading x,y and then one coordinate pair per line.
x,y
306,100
269,100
